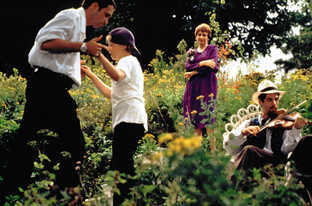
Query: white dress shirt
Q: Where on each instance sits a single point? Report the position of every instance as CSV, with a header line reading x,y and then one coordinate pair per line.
x,y
233,140
70,25
127,94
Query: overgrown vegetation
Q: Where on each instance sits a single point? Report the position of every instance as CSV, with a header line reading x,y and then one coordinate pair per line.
x,y
173,166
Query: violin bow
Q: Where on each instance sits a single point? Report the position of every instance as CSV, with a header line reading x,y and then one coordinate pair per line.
x,y
296,107
289,111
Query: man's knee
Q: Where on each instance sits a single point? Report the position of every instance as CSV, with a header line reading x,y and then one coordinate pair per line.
x,y
301,152
249,149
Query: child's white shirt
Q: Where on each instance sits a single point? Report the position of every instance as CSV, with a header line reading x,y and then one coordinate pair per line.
x,y
128,94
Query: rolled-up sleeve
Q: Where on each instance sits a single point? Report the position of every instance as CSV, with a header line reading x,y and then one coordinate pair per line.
x,y
233,140
291,139
60,27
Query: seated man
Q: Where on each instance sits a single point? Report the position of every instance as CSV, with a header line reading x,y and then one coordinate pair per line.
x,y
254,147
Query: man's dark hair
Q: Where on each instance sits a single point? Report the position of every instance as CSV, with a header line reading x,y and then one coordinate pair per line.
x,y
102,3
262,97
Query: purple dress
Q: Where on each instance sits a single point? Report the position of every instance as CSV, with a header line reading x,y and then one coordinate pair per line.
x,y
204,83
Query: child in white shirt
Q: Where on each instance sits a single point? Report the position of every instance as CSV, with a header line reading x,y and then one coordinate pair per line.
x,y
129,118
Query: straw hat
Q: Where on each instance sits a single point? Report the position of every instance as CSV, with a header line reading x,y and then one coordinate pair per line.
x,y
266,87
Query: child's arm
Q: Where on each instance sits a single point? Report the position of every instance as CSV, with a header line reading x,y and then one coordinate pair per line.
x,y
115,74
103,88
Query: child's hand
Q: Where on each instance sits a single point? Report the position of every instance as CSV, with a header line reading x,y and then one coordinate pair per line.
x,y
82,62
82,74
84,70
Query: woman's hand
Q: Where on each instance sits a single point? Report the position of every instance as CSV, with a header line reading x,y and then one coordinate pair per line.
x,y
188,75
209,63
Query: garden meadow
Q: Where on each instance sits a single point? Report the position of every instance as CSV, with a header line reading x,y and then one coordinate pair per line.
x,y
174,167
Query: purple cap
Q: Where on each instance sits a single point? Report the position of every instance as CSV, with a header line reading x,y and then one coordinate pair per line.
x,y
124,36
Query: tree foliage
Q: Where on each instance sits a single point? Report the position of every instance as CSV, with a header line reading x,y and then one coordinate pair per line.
x,y
257,25
254,25
299,45
251,26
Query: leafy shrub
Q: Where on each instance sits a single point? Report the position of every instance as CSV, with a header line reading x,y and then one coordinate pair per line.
x,y
171,168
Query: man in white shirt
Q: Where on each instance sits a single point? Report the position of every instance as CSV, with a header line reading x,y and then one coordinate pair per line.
x,y
254,147
55,58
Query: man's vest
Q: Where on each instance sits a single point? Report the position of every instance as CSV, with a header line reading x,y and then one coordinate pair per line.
x,y
260,139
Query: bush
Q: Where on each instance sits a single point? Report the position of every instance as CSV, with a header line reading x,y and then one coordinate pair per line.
x,y
172,168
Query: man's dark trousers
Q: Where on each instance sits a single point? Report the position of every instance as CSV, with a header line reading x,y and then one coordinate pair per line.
x,y
48,106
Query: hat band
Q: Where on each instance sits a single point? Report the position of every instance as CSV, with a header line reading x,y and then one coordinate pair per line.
x,y
268,89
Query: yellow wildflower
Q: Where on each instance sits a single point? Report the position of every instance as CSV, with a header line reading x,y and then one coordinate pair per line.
x,y
165,138
166,71
187,144
94,96
180,123
184,146
175,146
200,97
196,142
194,112
148,136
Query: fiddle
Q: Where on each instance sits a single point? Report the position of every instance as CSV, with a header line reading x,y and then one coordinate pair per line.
x,y
285,119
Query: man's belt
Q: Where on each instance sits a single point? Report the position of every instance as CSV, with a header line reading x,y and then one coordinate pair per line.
x,y
60,79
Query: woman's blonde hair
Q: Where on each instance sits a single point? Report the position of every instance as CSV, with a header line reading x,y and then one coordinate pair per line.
x,y
203,28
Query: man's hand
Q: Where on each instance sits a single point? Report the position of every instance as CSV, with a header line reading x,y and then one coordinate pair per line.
x,y
251,130
300,122
94,48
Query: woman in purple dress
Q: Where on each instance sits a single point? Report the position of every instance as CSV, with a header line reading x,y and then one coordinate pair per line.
x,y
201,67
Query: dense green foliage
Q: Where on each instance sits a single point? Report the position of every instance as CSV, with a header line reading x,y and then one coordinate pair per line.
x,y
174,167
